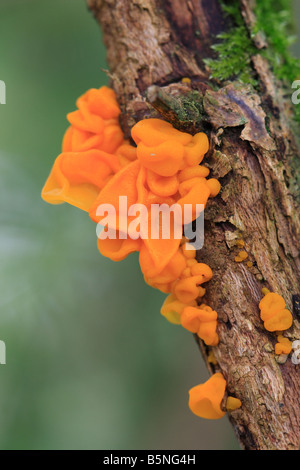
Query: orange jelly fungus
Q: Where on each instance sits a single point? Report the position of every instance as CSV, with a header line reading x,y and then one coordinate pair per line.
x,y
98,166
203,322
233,403
242,255
186,80
153,178
212,358
284,345
205,399
274,314
172,309
93,150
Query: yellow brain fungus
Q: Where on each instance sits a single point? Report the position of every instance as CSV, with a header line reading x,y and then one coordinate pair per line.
x,y
274,314
205,399
97,166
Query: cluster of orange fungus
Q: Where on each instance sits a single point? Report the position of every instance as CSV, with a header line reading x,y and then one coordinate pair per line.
x,y
97,166
93,151
205,399
274,314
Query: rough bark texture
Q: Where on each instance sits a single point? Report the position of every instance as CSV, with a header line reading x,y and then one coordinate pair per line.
x,y
252,153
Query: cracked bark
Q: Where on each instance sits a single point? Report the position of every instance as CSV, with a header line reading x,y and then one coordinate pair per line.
x,y
254,154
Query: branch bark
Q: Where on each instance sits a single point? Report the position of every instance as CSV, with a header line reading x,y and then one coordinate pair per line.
x,y
150,42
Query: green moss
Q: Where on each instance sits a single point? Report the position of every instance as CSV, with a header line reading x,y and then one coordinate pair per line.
x,y
235,47
233,50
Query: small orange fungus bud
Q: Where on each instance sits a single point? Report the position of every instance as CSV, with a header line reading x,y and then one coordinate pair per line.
x,y
274,314
283,348
284,345
233,404
241,256
270,303
212,358
205,399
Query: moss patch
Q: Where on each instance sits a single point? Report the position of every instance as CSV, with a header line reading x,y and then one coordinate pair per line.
x,y
274,20
234,49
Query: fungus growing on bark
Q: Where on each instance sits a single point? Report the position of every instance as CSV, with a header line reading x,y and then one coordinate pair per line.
x,y
212,358
274,314
233,404
97,168
242,255
172,309
284,345
90,154
205,399
202,321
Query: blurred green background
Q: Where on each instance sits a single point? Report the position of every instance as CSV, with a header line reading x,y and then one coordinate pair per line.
x,y
91,364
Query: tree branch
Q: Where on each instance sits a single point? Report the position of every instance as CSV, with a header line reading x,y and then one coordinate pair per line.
x,y
150,42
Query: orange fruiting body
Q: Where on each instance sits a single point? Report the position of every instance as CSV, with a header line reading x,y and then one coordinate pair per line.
x,y
242,255
205,399
274,314
201,321
284,345
212,358
98,167
233,403
283,348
